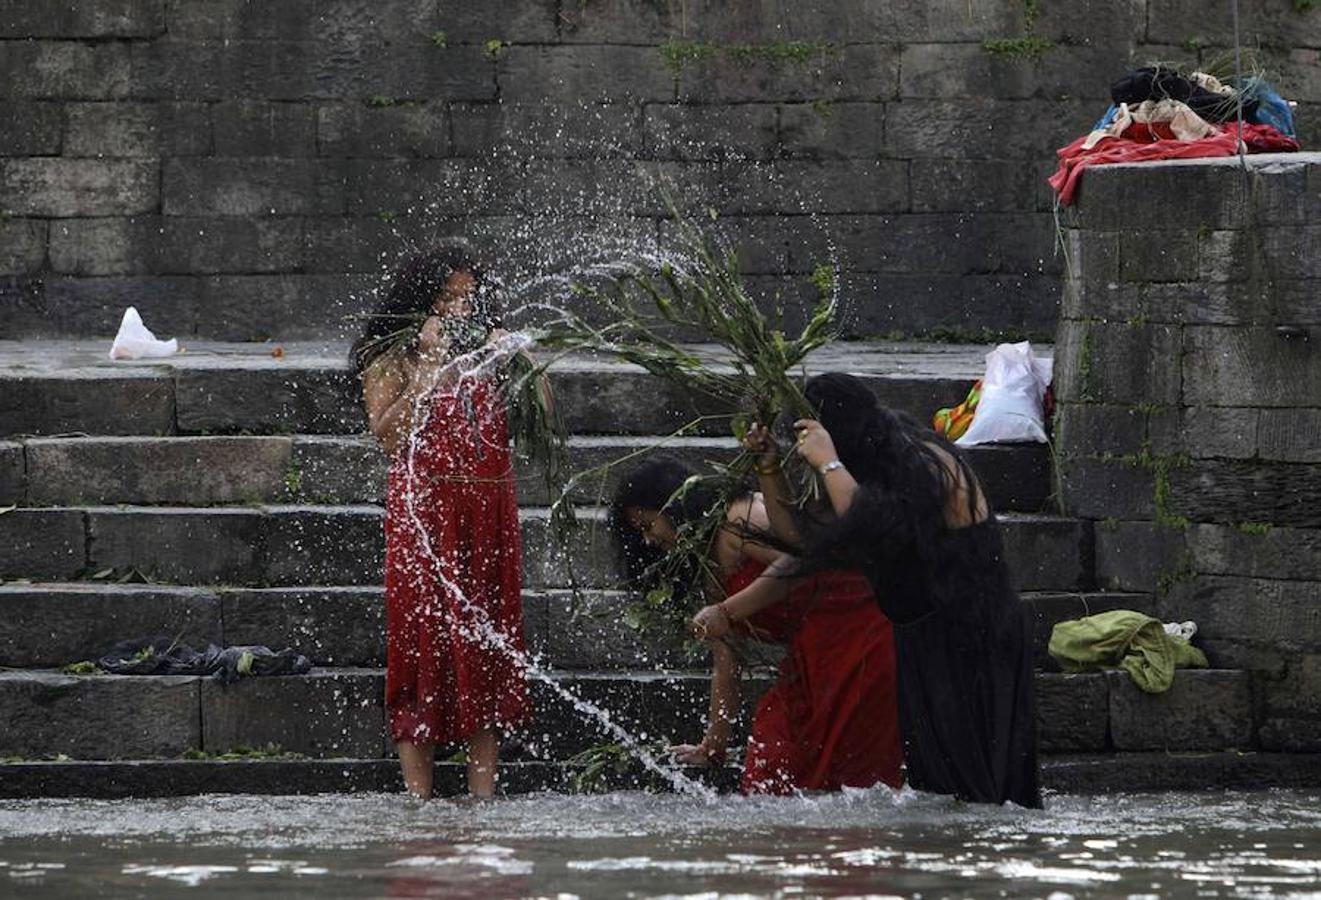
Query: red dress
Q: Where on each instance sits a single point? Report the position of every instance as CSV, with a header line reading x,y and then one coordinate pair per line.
x,y
454,574
831,719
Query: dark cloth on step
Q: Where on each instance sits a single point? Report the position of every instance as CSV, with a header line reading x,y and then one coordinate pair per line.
x,y
1160,83
163,656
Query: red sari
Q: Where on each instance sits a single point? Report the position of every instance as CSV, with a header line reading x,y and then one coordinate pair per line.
x,y
454,574
831,718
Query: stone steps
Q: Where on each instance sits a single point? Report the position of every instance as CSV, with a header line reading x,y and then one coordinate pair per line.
x,y
350,469
1084,773
338,713
288,545
58,387
345,626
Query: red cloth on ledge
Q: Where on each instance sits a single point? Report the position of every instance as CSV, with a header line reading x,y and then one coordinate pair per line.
x,y
1142,142
831,719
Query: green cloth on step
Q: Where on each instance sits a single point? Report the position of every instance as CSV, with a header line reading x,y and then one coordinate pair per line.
x,y
1132,641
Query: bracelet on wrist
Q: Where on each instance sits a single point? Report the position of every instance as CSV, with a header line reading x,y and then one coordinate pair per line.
x,y
766,469
827,468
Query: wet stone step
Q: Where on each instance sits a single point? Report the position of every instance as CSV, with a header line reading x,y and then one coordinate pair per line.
x,y
231,388
1090,773
51,625
339,713
333,469
318,545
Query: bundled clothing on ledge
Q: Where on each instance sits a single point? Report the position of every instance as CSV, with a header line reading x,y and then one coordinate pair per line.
x,y
1160,114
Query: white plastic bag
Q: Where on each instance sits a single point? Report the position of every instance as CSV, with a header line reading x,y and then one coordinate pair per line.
x,y
135,340
1013,391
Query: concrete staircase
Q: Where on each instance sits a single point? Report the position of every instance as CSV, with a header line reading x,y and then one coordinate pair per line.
x,y
228,495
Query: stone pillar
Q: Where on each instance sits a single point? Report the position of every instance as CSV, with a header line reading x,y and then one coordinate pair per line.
x,y
1188,374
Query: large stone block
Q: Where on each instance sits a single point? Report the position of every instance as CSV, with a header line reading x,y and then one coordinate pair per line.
x,y
973,185
1099,429
66,70
567,130
827,186
1205,709
1204,432
337,713
131,402
222,20
590,634
33,129
432,187
1213,195
240,187
1159,256
965,306
1100,488
193,471
168,69
559,74
93,617
324,545
337,470
95,306
985,129
1130,363
1092,23
954,244
290,306
315,401
1073,712
262,128
181,546
749,73
517,21
1223,367
1257,613
78,187
176,245
1289,435
945,71
832,130
364,245
1138,556
13,473
42,543
354,129
22,246
130,129
1260,552
105,19
1047,553
105,717
334,626
1286,494
1292,706
384,72
1260,21
586,558
742,131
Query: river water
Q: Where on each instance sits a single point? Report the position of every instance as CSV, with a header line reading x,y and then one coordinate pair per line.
x,y
875,843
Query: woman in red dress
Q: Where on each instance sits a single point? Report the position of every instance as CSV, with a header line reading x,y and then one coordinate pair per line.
x,y
830,720
453,560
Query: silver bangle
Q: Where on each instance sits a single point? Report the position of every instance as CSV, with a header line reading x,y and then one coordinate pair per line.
x,y
827,468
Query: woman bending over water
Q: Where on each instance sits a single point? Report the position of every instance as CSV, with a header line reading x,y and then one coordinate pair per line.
x,y
453,557
910,515
830,718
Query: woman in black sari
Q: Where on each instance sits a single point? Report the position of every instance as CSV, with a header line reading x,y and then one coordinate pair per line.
x,y
910,514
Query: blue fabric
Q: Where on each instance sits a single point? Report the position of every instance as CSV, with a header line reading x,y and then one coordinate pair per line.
x,y
1106,119
1272,109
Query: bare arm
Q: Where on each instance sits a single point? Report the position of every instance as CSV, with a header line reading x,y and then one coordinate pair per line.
x,y
774,488
725,699
393,391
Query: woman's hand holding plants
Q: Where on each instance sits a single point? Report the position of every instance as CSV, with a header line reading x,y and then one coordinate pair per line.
x,y
712,623
759,441
702,754
815,445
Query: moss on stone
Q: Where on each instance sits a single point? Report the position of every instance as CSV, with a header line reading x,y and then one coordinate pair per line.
x,y
1025,46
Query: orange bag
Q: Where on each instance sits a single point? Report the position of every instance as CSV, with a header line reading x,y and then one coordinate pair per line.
x,y
951,422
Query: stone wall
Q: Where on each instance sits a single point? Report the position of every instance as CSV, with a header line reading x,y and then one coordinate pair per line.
x,y
245,169
1188,370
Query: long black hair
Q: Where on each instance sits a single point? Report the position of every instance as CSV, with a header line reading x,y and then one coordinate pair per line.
x,y
907,473
657,483
412,294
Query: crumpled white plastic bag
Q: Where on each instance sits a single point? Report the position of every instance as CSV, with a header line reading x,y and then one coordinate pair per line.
x,y
135,340
1013,393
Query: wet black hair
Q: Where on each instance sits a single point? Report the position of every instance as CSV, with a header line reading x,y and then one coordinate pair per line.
x,y
413,291
905,472
652,485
